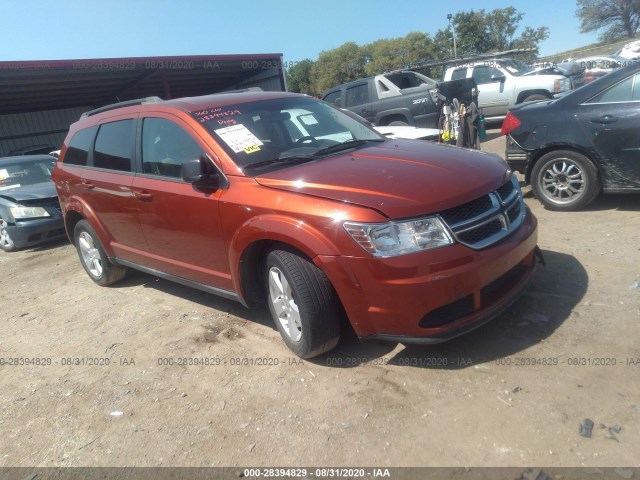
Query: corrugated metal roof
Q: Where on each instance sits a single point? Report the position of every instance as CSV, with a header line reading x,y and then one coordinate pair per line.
x,y
57,84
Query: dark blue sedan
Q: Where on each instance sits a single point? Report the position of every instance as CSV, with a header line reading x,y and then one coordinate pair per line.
x,y
29,207
573,148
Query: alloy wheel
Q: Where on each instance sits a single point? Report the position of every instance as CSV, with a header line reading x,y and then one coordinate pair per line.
x,y
284,305
562,181
90,254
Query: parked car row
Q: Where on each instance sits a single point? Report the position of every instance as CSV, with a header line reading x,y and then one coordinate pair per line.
x,y
405,97
586,142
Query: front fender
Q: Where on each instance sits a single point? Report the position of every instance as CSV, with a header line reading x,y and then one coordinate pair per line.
x,y
279,229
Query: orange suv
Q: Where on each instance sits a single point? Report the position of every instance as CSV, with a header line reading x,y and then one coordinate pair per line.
x,y
278,198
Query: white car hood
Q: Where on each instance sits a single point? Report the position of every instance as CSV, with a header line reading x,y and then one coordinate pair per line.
x,y
408,132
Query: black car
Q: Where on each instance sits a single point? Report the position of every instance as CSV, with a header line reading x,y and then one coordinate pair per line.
x,y
586,142
29,208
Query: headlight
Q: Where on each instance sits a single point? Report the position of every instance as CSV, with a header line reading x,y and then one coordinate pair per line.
x,y
399,238
28,212
561,85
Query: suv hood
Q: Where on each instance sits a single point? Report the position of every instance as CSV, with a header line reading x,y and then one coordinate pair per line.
x,y
399,178
38,191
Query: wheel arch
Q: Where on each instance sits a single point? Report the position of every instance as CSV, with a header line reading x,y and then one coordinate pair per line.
x,y
551,148
252,242
384,118
77,210
528,93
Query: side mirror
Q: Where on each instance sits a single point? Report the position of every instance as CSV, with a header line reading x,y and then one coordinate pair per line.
x,y
498,77
200,173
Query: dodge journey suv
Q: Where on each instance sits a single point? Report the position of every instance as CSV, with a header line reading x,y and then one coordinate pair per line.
x,y
405,240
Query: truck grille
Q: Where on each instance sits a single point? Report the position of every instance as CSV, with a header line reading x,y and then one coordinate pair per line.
x,y
488,219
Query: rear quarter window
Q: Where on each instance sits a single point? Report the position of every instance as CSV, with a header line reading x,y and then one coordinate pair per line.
x,y
79,147
114,146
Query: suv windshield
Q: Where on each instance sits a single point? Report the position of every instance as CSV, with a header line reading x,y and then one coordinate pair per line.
x,y
265,132
515,67
19,174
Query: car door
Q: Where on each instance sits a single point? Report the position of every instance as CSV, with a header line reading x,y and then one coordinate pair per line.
x,y
611,120
493,90
358,100
181,224
104,183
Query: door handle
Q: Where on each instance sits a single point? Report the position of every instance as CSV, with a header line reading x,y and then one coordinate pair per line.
x,y
144,196
605,119
87,185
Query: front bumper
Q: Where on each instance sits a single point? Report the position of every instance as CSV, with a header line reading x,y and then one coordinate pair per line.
x,y
34,231
433,296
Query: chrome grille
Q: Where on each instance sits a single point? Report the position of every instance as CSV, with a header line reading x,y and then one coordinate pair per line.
x,y
487,219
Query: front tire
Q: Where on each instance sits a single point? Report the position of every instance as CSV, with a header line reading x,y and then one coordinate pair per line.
x,y
303,304
6,243
93,258
564,180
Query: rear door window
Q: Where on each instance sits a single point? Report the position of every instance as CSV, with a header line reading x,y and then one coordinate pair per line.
x,y
482,74
358,95
625,91
333,97
114,146
459,73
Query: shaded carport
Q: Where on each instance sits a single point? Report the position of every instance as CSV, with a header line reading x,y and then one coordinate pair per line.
x,y
40,99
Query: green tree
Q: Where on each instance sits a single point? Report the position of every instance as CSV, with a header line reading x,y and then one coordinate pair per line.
x,y
395,53
481,32
299,77
616,19
340,65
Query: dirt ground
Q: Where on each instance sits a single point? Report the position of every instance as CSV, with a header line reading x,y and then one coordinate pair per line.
x,y
109,390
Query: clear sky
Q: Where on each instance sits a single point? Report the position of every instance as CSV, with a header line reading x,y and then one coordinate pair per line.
x,y
70,29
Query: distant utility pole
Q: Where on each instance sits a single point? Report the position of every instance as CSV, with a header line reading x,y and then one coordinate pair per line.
x,y
453,27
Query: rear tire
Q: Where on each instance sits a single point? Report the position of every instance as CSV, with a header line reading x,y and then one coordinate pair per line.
x,y
6,243
303,304
93,258
398,123
564,180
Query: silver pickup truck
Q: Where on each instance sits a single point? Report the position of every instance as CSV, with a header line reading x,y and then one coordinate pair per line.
x,y
503,83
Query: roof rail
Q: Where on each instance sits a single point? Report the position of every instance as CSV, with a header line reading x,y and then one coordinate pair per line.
x,y
127,103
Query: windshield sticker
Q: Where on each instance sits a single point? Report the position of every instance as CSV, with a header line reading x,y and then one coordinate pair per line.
x,y
238,137
4,174
252,149
308,119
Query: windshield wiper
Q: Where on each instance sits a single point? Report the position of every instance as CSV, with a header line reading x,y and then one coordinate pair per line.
x,y
281,160
345,146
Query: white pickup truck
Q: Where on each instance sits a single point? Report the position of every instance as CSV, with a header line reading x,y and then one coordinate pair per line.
x,y
503,83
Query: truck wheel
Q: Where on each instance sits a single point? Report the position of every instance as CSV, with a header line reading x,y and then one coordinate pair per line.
x,y
303,304
6,243
565,181
398,123
93,258
534,97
